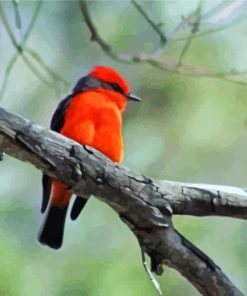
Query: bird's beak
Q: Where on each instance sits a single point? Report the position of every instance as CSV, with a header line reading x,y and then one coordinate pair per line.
x,y
132,97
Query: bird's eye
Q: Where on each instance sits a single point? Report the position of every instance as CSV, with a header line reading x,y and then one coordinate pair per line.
x,y
116,87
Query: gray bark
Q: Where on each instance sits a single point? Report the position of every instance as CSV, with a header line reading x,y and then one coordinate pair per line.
x,y
144,204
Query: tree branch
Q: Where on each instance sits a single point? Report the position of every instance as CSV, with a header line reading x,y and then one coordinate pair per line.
x,y
195,25
155,27
167,64
144,204
96,37
21,50
205,200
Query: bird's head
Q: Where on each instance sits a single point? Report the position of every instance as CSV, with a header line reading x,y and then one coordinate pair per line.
x,y
114,85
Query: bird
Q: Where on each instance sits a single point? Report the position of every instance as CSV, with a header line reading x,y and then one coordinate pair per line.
x,y
90,115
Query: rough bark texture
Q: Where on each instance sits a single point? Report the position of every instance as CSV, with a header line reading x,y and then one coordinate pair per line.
x,y
190,199
145,205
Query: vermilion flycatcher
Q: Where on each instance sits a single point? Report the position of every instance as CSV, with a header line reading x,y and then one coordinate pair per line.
x,y
90,115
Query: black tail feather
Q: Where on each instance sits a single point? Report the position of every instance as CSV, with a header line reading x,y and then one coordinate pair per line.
x,y
46,184
52,230
77,207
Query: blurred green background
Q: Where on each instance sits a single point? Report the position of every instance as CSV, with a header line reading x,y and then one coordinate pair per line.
x,y
190,129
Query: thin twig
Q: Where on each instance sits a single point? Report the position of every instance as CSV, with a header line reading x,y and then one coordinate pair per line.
x,y
32,23
168,64
215,10
185,48
36,72
55,76
194,22
11,35
7,74
227,12
208,31
21,47
96,37
8,29
149,273
181,25
174,32
155,27
17,14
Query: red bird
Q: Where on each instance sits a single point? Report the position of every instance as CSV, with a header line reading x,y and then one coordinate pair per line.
x,y
90,115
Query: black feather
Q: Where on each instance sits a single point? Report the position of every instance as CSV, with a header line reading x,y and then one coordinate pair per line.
x,y
56,125
51,233
77,207
57,120
46,184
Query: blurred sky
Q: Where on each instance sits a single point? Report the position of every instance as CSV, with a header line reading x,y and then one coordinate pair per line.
x,y
190,129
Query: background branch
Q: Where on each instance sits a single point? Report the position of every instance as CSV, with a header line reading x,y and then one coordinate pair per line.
x,y
195,25
156,27
167,64
25,53
139,201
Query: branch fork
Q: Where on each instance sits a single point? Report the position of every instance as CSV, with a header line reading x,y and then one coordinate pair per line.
x,y
145,205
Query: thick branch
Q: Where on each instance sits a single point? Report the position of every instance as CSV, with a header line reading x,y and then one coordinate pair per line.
x,y
205,200
141,202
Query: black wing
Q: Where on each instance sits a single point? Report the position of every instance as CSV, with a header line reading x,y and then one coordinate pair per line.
x,y
56,125
57,122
